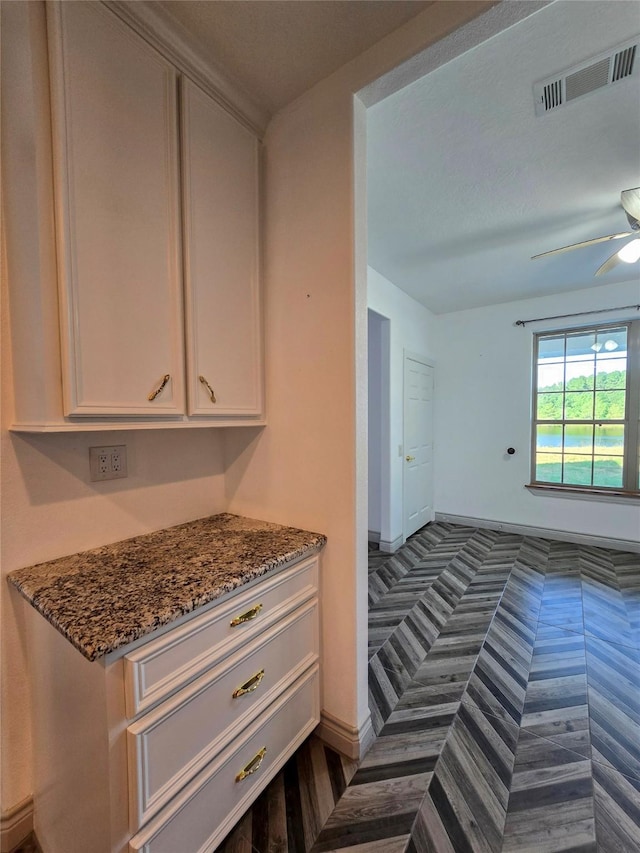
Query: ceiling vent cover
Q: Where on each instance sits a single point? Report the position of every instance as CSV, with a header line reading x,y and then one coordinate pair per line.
x,y
596,73
623,63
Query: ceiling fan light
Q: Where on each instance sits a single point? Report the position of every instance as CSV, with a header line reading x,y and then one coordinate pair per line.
x,y
631,252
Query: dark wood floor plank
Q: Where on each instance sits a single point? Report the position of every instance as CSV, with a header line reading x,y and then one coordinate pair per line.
x,y
551,803
617,811
397,844
613,676
372,812
556,704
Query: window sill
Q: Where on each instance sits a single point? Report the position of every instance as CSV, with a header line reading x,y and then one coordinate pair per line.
x,y
583,493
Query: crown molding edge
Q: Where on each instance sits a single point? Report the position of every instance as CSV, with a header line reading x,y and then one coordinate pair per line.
x,y
173,41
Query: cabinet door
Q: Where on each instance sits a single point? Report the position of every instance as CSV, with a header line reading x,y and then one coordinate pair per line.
x,y
115,130
220,208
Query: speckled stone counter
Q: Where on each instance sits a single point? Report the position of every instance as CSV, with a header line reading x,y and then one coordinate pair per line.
x,y
103,599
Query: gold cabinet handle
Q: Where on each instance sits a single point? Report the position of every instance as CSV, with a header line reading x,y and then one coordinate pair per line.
x,y
160,388
410,458
252,766
246,617
249,686
208,387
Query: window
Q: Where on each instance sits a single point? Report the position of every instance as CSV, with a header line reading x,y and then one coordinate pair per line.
x,y
586,409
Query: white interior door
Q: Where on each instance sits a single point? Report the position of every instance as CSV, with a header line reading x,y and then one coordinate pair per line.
x,y
418,443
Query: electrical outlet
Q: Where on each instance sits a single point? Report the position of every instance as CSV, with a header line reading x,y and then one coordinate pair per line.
x,y
108,463
116,459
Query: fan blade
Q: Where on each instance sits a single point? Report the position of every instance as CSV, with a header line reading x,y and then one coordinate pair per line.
x,y
581,245
609,264
631,202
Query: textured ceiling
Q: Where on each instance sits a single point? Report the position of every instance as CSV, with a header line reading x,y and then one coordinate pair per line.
x,y
277,49
465,183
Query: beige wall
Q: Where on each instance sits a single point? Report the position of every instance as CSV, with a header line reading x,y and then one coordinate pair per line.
x,y
302,469
309,467
306,468
49,507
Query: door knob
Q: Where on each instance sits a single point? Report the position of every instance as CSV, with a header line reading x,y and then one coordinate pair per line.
x,y
410,458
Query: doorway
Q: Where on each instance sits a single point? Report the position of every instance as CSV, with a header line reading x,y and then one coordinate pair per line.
x,y
379,484
417,497
400,429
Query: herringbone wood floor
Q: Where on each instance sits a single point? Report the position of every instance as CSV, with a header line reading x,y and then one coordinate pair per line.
x,y
504,677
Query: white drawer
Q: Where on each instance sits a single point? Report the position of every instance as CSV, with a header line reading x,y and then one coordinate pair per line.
x,y
203,813
164,665
172,743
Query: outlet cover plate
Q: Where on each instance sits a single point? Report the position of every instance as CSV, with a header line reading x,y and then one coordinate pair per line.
x,y
108,463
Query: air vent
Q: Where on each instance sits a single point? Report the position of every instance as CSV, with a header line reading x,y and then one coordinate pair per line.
x,y
552,95
587,80
596,73
623,64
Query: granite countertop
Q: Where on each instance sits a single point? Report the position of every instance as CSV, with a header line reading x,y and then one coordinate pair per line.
x,y
103,599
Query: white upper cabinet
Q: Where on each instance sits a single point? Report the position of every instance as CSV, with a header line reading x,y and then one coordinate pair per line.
x,y
220,208
156,192
116,163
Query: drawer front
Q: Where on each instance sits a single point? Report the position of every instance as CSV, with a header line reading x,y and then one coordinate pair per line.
x,y
163,666
172,743
201,815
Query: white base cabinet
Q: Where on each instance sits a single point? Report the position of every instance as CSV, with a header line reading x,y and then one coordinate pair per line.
x,y
165,746
203,814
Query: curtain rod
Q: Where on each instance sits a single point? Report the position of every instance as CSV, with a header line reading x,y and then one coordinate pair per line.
x,y
577,314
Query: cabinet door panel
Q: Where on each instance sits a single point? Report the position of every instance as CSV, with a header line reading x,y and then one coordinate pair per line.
x,y
167,747
115,128
220,186
162,666
206,809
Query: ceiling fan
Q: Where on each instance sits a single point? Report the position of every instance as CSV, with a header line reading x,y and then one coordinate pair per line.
x,y
630,252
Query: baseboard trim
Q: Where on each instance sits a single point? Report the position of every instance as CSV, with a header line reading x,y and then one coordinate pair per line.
x,y
374,536
542,532
16,824
349,740
390,547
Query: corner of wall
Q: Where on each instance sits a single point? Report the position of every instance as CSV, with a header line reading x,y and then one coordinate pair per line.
x,y
352,741
16,824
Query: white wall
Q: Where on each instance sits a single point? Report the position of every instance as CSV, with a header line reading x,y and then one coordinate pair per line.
x,y
483,404
412,327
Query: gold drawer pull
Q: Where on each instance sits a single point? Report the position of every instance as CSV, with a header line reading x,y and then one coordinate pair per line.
x,y
208,387
252,766
246,617
249,686
160,388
